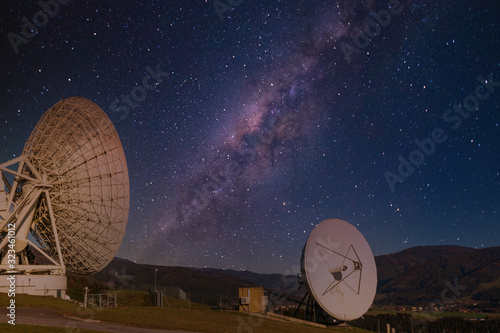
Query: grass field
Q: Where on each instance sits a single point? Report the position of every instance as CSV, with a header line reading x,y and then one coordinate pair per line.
x,y
8,328
377,311
433,316
179,316
466,315
28,301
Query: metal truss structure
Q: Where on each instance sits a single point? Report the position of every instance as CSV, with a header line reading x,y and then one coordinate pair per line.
x,y
69,189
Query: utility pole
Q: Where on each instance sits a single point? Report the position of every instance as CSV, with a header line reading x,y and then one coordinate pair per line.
x,y
156,271
85,298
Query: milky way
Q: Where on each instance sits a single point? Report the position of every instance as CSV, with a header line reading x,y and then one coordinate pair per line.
x,y
260,140
272,124
272,117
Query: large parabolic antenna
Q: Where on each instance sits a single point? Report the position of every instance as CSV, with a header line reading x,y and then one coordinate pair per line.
x,y
339,270
69,189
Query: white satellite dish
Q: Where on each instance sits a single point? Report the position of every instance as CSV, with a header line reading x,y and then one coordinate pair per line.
x,y
339,269
70,190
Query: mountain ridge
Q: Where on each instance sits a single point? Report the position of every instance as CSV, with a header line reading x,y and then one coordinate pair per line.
x,y
415,276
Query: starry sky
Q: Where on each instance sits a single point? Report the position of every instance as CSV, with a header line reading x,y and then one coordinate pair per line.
x,y
246,123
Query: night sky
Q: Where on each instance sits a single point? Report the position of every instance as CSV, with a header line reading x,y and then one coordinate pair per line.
x,y
246,123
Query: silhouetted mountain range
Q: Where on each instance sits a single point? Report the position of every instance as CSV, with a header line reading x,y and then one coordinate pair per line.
x,y
413,276
423,274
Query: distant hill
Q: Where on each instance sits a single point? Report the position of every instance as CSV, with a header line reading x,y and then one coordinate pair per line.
x,y
288,284
413,276
418,274
205,286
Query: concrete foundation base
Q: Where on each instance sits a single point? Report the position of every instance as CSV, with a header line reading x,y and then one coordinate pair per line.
x,y
41,285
